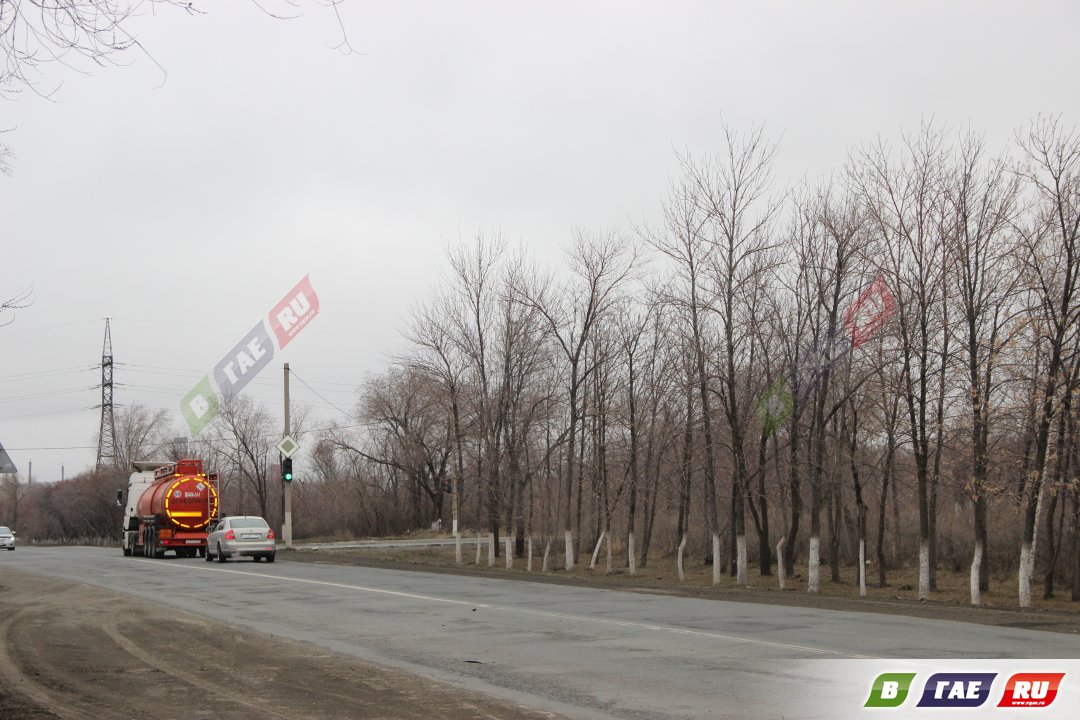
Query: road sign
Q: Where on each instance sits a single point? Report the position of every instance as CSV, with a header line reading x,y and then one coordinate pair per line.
x,y
287,446
6,466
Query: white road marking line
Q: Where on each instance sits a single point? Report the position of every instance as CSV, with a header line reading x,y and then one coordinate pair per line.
x,y
527,611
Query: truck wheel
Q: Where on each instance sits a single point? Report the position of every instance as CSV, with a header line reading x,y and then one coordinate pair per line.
x,y
220,555
127,550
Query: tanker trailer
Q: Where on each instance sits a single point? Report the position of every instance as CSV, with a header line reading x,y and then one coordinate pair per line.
x,y
169,506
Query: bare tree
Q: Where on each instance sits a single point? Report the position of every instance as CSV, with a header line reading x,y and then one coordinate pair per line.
x,y
141,434
6,156
984,278
683,240
19,301
904,201
1051,254
244,433
599,265
733,191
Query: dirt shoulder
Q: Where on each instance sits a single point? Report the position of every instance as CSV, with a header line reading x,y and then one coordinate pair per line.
x,y
899,598
77,652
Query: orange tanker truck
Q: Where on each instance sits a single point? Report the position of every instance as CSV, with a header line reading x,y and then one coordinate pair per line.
x,y
169,506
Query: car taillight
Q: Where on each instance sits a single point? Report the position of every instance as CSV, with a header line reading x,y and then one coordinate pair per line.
x,y
269,534
230,535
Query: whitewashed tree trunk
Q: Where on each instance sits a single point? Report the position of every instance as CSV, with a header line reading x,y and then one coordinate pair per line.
x,y
1027,551
457,548
741,576
569,539
813,570
509,553
976,569
607,544
682,548
596,551
780,572
862,568
924,569
631,553
479,546
491,550
715,558
1035,533
547,554
528,563
1025,575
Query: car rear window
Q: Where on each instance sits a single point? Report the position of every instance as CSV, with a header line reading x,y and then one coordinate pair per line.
x,y
247,523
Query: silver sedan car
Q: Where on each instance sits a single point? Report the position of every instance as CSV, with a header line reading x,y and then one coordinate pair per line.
x,y
7,538
240,536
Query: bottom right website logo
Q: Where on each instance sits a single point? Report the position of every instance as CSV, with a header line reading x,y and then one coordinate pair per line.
x,y
965,690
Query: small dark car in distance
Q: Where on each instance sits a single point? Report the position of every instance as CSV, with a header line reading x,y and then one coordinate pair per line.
x,y
240,536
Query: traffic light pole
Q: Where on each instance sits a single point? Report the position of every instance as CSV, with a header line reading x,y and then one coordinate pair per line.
x,y
286,529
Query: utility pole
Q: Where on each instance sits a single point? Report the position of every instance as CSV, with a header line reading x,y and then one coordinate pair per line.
x,y
286,530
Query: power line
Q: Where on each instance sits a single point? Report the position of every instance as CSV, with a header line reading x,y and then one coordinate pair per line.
x,y
46,414
38,374
47,393
60,447
317,393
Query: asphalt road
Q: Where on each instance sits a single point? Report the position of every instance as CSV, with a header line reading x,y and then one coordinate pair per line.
x,y
580,652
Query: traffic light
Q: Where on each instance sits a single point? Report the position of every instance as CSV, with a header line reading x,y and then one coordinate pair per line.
x,y
286,469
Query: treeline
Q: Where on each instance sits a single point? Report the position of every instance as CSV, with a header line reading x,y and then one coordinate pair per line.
x,y
883,365
880,369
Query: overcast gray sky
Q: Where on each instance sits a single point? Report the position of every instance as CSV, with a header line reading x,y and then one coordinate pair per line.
x,y
185,210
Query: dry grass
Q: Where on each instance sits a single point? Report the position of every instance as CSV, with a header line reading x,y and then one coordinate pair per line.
x,y
950,601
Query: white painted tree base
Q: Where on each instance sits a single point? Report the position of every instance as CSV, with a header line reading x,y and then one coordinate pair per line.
x,y
862,568
780,571
631,554
1025,575
741,572
924,569
813,570
568,538
716,558
976,569
596,550
682,549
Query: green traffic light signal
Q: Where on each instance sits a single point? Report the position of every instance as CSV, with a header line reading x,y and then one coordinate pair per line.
x,y
286,470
